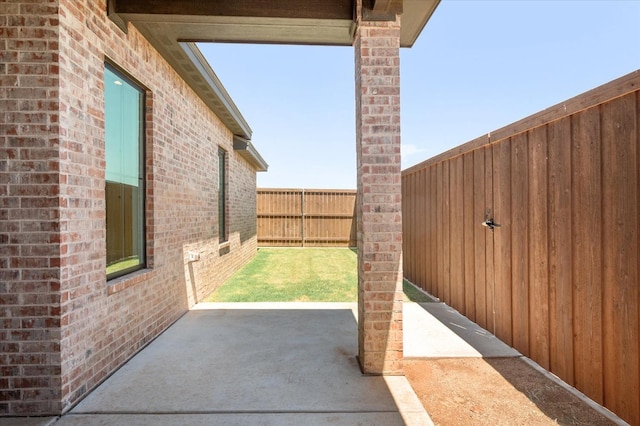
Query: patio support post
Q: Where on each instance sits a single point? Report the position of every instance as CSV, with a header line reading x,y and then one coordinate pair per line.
x,y
377,69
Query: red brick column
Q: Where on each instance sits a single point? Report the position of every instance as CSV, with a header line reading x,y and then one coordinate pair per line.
x,y
377,46
29,209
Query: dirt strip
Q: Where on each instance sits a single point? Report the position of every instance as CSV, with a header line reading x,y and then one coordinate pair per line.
x,y
499,391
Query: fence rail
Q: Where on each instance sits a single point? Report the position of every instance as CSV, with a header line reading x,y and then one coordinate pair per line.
x,y
306,217
559,278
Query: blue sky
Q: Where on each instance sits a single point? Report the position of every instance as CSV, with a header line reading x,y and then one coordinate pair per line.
x,y
477,66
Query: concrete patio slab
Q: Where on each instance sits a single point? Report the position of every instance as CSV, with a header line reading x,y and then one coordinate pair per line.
x,y
266,364
235,419
274,364
436,330
27,421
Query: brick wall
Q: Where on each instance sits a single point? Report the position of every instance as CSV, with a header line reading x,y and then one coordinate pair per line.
x,y
29,212
65,327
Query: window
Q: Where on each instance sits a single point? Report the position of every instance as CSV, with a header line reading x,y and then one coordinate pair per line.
x,y
222,196
124,152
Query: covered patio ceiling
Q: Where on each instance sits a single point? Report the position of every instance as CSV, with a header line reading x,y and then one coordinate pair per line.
x,y
326,22
174,26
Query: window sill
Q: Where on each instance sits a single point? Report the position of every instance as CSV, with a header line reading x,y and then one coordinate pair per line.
x,y
122,283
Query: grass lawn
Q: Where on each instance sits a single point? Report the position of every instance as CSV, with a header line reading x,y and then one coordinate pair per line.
x,y
299,275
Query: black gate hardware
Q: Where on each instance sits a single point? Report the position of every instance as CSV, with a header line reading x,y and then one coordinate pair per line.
x,y
489,223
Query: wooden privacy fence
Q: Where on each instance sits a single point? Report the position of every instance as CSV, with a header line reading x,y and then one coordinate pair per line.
x,y
306,218
558,280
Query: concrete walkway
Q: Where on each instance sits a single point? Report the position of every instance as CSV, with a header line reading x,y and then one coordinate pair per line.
x,y
263,364
436,330
273,364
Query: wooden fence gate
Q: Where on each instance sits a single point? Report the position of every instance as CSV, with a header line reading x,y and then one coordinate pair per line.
x,y
559,279
306,218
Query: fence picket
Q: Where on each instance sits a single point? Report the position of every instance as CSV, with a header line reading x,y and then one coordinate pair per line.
x,y
306,217
560,278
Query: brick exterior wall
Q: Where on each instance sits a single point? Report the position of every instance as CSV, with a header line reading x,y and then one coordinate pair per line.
x,y
65,328
379,209
29,208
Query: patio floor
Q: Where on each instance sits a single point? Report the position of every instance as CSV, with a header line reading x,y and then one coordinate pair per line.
x,y
273,364
238,364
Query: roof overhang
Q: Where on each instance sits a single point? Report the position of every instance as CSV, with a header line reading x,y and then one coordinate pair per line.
x,y
174,26
245,148
326,22
187,59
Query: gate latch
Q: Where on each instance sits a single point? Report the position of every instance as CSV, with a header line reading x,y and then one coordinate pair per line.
x,y
490,224
488,221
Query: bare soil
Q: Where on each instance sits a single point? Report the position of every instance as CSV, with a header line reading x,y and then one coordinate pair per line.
x,y
485,391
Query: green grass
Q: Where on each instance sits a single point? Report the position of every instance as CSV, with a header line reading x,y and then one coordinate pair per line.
x,y
294,275
300,275
413,294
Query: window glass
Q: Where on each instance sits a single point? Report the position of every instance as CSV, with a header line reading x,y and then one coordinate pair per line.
x,y
222,196
124,131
